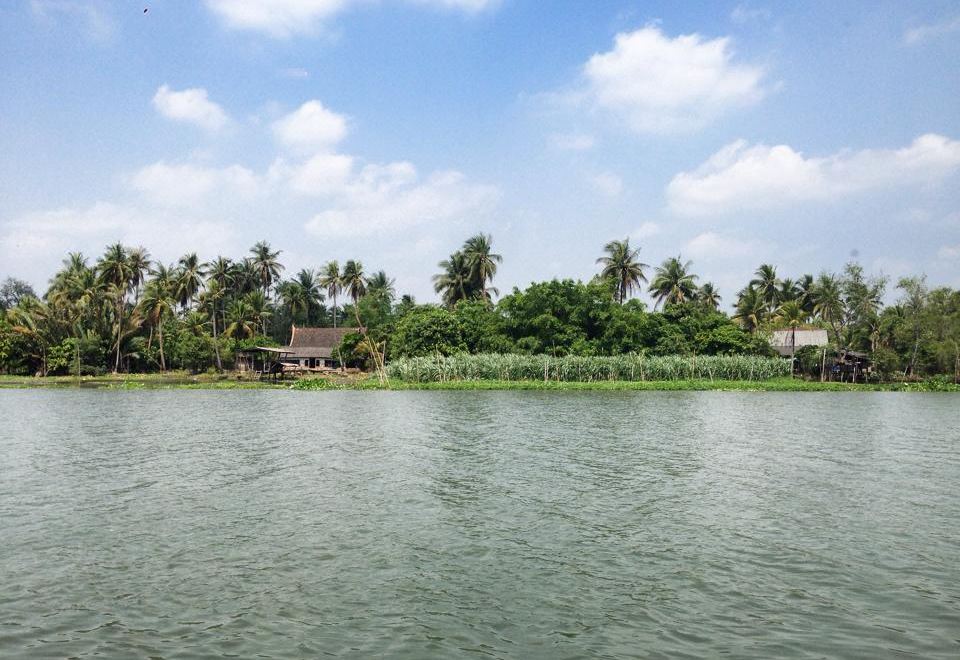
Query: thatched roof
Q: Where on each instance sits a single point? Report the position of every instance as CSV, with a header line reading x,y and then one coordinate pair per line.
x,y
782,341
316,342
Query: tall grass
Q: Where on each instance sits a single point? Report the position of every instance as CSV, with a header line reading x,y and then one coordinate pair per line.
x,y
634,367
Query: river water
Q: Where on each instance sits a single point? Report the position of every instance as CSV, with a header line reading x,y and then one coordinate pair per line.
x,y
190,524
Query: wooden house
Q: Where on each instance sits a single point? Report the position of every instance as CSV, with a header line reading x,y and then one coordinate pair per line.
x,y
314,348
787,342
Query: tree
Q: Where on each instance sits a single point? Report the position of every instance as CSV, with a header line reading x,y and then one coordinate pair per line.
x,y
139,267
157,304
828,304
189,278
622,266
355,284
482,263
791,314
13,291
767,285
456,282
332,280
266,265
673,284
708,296
115,272
914,302
750,310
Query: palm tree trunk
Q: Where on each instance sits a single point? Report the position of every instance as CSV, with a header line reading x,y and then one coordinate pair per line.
x,y
377,361
163,364
116,366
334,309
216,344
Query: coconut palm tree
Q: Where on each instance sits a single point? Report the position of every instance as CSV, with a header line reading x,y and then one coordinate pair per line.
x,y
241,322
332,281
456,282
115,273
266,265
806,293
158,303
139,267
622,266
355,284
189,279
791,314
750,310
482,263
673,283
767,285
828,304
260,310
210,301
708,295
381,286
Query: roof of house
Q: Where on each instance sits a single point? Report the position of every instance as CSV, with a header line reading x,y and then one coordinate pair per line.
x,y
783,341
315,342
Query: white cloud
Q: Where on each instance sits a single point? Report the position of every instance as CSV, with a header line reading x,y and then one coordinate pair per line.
x,y
311,126
284,18
656,84
949,252
646,230
573,141
324,174
713,246
191,106
392,198
33,244
295,73
762,177
188,184
927,32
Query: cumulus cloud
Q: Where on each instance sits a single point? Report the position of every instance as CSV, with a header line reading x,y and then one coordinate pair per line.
x,y
657,84
645,230
311,126
188,184
740,176
284,18
393,198
713,246
191,106
34,243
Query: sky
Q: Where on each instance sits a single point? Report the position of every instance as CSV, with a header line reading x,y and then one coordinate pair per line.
x,y
730,134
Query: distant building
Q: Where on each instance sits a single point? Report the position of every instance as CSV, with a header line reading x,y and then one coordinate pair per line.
x,y
785,342
314,348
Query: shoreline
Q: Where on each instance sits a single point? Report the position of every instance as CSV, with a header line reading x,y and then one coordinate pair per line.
x,y
184,381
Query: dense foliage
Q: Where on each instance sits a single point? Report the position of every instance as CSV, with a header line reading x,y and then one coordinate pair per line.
x,y
127,312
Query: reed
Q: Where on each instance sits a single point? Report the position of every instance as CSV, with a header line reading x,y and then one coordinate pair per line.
x,y
633,367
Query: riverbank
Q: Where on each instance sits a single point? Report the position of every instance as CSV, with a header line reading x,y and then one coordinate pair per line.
x,y
184,380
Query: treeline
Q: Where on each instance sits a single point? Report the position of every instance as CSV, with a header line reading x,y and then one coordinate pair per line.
x,y
126,312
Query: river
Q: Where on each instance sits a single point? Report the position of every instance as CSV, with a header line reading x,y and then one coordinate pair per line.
x,y
192,524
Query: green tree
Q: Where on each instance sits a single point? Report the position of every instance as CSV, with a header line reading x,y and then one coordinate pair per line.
x,y
622,266
673,283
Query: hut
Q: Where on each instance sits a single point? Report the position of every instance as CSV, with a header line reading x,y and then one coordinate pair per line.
x,y
851,366
786,342
261,361
314,348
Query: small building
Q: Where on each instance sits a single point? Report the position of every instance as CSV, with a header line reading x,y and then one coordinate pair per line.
x,y
314,348
851,367
787,342
261,361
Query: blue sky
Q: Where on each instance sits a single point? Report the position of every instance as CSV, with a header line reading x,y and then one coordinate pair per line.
x,y
390,130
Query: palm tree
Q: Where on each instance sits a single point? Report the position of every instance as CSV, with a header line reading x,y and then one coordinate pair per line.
x,y
158,303
241,324
190,279
115,273
708,295
222,271
381,286
621,265
210,300
332,281
673,284
750,310
355,284
481,262
806,293
259,309
766,283
828,304
455,283
309,283
139,267
791,314
266,265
